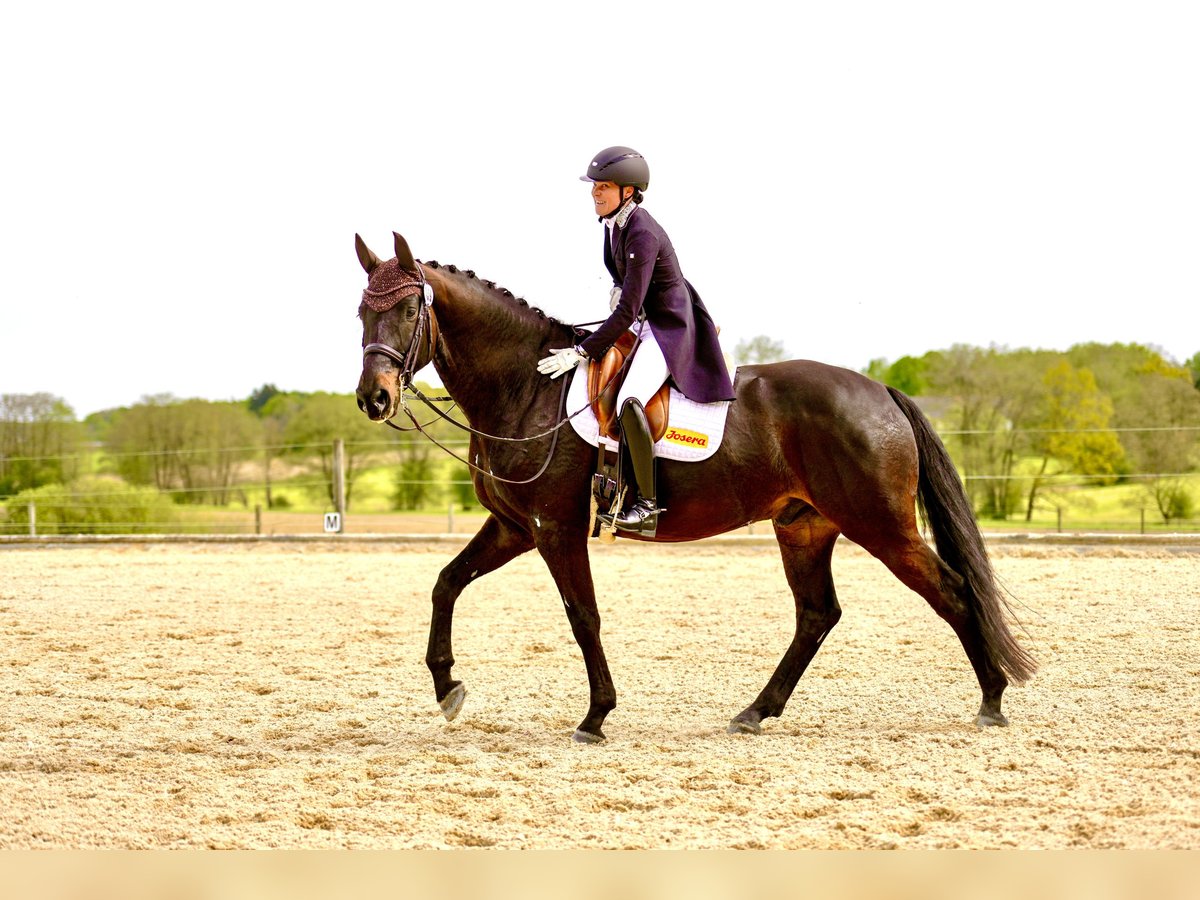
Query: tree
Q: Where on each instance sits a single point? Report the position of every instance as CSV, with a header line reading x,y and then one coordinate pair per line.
x,y
985,394
143,442
191,447
39,441
758,350
909,374
414,475
223,435
462,488
315,421
1166,452
260,398
1156,409
1193,366
1070,431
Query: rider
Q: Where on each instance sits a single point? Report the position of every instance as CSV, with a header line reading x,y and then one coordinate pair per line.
x,y
651,298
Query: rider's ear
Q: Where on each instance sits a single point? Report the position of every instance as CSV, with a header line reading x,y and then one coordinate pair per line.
x,y
403,255
366,258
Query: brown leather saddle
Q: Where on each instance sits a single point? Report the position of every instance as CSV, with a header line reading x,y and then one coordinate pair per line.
x,y
602,373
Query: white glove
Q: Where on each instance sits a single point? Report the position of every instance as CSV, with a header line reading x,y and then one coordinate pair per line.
x,y
614,298
562,362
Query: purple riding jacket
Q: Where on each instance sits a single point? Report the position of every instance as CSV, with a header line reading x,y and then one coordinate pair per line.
x,y
642,261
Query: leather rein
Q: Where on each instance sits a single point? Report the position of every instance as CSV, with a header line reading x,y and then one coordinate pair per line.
x,y
427,328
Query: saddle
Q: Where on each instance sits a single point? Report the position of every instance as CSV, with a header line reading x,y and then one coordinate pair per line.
x,y
604,386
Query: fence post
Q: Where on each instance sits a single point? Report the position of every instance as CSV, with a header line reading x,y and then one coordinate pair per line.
x,y
450,518
1059,510
258,518
339,482
1143,512
32,519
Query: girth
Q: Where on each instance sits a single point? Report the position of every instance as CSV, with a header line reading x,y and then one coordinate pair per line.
x,y
611,370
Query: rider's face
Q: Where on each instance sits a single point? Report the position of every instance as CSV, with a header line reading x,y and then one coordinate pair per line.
x,y
606,196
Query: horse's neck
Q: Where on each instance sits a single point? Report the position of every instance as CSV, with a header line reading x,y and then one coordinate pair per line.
x,y
481,356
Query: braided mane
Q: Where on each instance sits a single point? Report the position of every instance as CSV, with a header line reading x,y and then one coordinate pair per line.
x,y
516,301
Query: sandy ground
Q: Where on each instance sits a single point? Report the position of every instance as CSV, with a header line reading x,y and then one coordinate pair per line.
x,y
276,696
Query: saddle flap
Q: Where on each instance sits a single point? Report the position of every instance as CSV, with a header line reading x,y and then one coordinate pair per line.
x,y
604,386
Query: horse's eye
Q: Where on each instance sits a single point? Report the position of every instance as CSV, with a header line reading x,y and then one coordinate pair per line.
x,y
410,312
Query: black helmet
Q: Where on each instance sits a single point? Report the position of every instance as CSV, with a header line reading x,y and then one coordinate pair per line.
x,y
623,166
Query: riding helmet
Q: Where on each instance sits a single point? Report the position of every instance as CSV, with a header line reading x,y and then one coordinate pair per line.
x,y
623,166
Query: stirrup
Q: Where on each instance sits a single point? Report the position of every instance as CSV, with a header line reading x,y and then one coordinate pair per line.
x,y
641,516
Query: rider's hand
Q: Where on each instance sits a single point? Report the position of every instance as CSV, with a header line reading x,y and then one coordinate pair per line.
x,y
562,362
614,298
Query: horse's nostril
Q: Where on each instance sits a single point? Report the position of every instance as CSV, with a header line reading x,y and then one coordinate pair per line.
x,y
362,404
380,401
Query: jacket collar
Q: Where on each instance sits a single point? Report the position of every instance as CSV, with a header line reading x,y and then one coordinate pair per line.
x,y
621,216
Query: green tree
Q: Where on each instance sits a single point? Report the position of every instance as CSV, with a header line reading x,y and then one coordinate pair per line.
x,y
909,374
144,441
462,489
414,475
1155,411
224,437
984,395
261,397
758,350
194,448
40,441
317,420
1193,366
418,472
1165,453
1070,432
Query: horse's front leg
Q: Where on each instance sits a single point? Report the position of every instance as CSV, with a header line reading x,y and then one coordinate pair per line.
x,y
494,545
567,558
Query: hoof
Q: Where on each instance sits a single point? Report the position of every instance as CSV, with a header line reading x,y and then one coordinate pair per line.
x,y
586,737
452,702
990,719
743,726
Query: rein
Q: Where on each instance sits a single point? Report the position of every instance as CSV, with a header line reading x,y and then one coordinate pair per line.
x,y
407,363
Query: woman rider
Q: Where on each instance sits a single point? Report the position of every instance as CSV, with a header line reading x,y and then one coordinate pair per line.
x,y
650,297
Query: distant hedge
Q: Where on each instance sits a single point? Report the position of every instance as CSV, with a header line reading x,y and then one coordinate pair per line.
x,y
92,504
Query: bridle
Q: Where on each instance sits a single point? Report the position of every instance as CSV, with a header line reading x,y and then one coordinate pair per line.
x,y
426,326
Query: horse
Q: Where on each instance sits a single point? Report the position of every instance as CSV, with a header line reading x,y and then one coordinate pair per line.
x,y
818,450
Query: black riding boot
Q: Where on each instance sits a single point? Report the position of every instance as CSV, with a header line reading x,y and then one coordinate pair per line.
x,y
642,514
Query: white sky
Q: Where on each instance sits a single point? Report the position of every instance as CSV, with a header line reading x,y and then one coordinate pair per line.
x,y
182,183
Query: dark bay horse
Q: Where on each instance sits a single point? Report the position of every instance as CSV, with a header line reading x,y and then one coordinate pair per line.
x,y
818,450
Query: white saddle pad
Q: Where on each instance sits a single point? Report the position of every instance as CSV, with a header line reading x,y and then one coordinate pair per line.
x,y
694,430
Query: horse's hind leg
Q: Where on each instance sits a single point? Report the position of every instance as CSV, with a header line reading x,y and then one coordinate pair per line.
x,y
494,545
807,549
922,570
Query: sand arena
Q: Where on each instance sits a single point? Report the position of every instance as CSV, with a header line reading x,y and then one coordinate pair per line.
x,y
275,695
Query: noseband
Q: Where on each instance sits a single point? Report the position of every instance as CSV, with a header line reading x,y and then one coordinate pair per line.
x,y
426,327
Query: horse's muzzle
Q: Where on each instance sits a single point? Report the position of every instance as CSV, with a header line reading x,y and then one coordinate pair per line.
x,y
377,406
375,396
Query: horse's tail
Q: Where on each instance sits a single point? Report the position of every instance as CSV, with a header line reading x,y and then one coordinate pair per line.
x,y
946,509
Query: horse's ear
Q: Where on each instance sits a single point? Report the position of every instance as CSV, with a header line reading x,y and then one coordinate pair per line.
x,y
404,256
366,258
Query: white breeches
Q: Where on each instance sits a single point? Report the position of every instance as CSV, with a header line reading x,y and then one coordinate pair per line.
x,y
647,372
